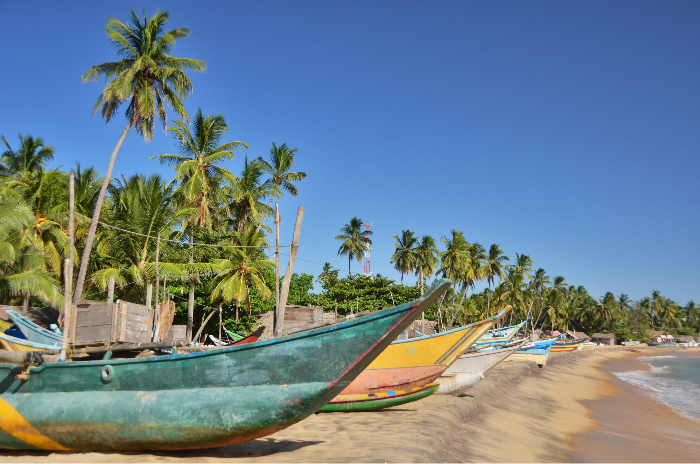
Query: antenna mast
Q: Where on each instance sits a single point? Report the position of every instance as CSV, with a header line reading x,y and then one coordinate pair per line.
x,y
368,270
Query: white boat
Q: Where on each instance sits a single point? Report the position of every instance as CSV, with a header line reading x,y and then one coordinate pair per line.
x,y
470,368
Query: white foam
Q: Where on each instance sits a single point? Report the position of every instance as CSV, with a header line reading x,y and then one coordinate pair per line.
x,y
680,395
651,358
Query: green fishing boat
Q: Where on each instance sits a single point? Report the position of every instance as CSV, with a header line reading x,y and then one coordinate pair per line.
x,y
375,401
194,400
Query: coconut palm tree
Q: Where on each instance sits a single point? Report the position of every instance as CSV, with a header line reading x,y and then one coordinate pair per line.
x,y
455,258
245,195
145,205
281,162
606,310
23,270
404,259
523,265
654,303
494,267
198,175
355,242
243,269
426,258
33,154
200,178
539,285
147,76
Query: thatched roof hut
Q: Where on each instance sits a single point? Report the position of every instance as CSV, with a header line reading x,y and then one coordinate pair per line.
x,y
686,339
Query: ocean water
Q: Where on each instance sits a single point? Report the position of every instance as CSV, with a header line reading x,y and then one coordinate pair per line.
x,y
670,380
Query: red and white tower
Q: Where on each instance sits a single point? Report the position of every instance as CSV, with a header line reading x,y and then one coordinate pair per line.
x,y
368,270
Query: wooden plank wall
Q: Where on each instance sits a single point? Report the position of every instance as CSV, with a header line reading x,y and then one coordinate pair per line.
x,y
97,321
176,332
296,317
93,322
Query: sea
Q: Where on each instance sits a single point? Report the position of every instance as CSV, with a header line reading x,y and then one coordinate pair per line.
x,y
671,380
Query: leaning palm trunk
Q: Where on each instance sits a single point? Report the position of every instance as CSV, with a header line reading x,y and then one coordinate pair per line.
x,y
269,206
190,300
96,217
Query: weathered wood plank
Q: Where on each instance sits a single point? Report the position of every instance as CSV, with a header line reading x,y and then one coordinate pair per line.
x,y
89,318
93,333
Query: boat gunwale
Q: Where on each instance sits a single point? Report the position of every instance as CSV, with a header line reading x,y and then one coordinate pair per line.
x,y
451,331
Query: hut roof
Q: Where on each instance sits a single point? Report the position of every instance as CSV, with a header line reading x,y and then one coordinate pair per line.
x,y
686,339
579,335
602,335
657,333
40,316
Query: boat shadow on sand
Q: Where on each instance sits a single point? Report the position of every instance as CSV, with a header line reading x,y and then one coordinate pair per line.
x,y
255,448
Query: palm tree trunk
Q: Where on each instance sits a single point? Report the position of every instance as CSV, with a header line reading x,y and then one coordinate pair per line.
x,y
190,299
349,261
269,204
488,301
96,217
25,304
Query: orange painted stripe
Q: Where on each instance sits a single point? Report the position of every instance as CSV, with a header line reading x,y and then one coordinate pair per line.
x,y
13,423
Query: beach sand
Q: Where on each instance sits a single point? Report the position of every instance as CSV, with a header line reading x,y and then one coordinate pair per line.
x,y
518,413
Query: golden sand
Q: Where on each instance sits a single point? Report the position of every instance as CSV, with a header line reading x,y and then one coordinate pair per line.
x,y
518,413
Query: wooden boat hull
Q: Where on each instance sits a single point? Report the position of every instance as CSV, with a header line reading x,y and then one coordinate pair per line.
x,y
418,361
662,344
34,332
195,400
568,346
536,355
470,369
375,402
17,344
500,336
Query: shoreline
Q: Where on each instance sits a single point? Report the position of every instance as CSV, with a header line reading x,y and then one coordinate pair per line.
x,y
634,427
519,412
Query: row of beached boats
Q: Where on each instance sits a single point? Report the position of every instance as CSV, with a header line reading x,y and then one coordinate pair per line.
x,y
186,398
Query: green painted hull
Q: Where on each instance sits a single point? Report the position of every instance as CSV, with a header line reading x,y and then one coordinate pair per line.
x,y
381,403
195,400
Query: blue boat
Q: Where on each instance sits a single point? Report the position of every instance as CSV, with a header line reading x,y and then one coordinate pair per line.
x,y
537,354
34,332
499,337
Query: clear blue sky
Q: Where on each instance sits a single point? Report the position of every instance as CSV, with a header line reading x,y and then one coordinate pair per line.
x,y
568,131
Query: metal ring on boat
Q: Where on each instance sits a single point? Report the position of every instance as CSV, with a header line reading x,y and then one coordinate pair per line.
x,y
107,374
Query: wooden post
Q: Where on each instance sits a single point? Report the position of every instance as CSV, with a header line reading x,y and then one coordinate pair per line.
x,y
68,268
66,308
110,289
276,323
220,324
284,293
157,276
149,295
357,302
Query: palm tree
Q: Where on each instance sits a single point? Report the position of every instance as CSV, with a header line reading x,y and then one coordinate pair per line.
x,y
355,242
494,268
32,155
455,258
523,265
404,259
607,309
426,258
281,161
243,270
539,284
245,195
23,270
146,77
654,305
200,179
145,206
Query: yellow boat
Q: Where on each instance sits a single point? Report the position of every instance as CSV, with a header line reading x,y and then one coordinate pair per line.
x,y
418,361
